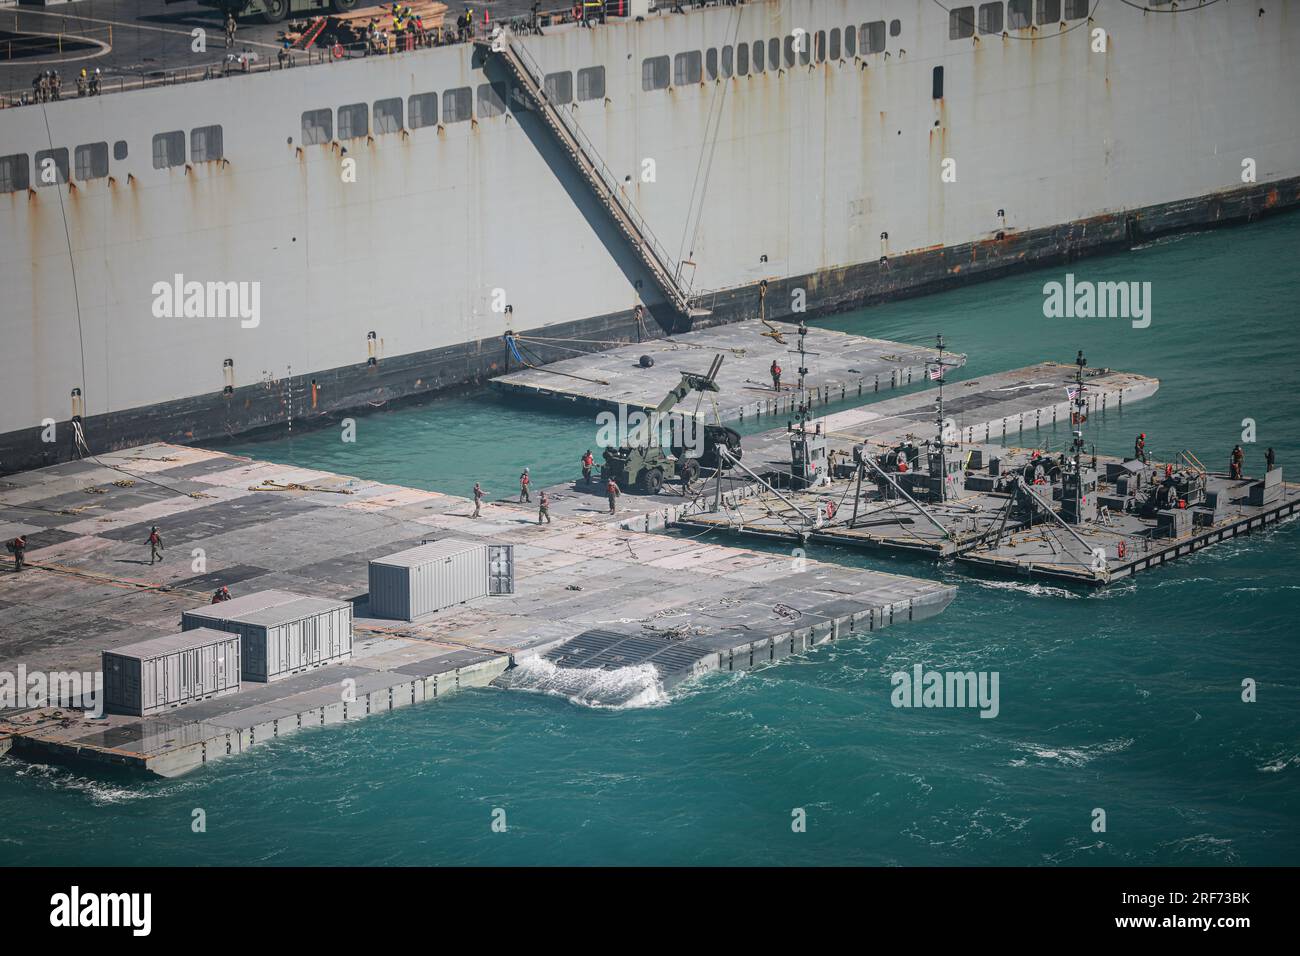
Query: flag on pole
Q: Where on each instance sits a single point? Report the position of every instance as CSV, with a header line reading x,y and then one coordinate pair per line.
x,y
935,371
1072,392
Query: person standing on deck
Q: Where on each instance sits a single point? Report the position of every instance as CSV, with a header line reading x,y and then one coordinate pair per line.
x,y
587,462
1140,448
478,500
155,545
230,30
776,376
543,508
1269,460
524,482
19,547
612,493
1238,460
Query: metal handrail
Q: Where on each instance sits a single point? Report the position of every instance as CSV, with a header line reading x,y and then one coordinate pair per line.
x,y
598,165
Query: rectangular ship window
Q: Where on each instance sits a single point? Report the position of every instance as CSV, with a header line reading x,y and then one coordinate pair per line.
x,y
758,56
491,99
654,73
789,50
14,173
774,54
1049,11
1076,9
559,88
872,39
686,68
851,41
821,46
457,105
936,83
51,166
805,49
742,60
728,61
91,161
205,143
317,127
895,27
591,83
354,120
961,23
835,44
168,149
1019,14
388,115
422,110
711,64
990,18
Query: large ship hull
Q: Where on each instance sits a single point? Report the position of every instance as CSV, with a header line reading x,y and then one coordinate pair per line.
x,y
824,181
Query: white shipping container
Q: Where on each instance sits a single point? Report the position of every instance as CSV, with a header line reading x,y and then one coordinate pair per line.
x,y
153,676
282,633
421,580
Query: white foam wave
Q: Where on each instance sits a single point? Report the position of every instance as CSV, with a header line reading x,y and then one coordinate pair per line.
x,y
1073,756
1034,588
622,688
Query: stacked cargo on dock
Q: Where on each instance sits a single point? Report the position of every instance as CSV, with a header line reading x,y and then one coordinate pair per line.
x,y
436,575
153,676
282,633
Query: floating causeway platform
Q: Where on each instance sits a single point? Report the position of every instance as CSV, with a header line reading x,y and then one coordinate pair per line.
x,y
592,598
846,367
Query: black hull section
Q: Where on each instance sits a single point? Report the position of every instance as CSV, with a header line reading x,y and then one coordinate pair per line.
x,y
320,398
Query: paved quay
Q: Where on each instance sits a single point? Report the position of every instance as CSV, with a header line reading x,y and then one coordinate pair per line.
x,y
594,605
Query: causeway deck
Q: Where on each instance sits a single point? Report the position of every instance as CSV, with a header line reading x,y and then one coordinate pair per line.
x,y
843,367
679,606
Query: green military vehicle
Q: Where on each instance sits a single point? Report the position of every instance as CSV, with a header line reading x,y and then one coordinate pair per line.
x,y
644,467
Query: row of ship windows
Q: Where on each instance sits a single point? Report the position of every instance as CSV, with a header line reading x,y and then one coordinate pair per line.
x,y
422,108
1020,14
91,160
745,58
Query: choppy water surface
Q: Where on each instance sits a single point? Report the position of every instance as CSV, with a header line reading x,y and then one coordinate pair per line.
x,y
1129,700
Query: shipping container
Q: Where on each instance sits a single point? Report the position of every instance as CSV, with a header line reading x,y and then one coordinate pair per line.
x,y
152,676
421,580
283,633
501,569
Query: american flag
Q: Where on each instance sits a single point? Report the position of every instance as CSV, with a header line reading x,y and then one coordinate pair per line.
x,y
935,371
1072,392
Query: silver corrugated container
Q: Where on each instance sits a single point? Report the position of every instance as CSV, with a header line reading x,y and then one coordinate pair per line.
x,y
152,676
428,578
283,633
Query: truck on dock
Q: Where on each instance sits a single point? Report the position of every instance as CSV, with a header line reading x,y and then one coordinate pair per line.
x,y
644,464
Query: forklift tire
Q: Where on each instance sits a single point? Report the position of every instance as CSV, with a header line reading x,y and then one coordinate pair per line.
x,y
276,10
343,6
652,481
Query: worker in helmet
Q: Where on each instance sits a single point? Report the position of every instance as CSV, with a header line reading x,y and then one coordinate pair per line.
x,y
1140,448
82,84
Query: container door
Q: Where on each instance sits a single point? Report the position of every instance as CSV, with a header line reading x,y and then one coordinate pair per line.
x,y
501,569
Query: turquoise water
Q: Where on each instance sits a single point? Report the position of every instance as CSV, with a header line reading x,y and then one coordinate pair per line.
x,y
1127,701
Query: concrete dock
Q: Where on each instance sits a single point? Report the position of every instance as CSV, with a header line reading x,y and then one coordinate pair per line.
x,y
594,602
841,367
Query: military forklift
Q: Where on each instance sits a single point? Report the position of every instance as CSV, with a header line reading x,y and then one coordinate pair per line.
x,y
644,466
